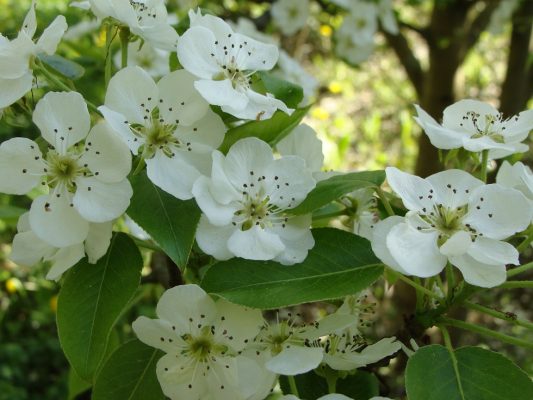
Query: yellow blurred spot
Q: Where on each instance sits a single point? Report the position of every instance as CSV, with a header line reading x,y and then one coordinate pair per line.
x,y
13,285
325,30
320,113
335,87
53,303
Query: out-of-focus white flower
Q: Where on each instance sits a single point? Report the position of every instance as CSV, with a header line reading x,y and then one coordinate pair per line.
x,y
202,340
304,143
169,124
153,61
452,217
382,10
146,19
82,28
290,15
501,15
517,176
477,126
28,249
348,48
361,23
225,61
246,27
87,180
244,205
290,70
16,55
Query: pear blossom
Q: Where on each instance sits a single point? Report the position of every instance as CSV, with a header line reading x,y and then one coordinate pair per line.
x,y
16,76
246,27
86,180
348,47
225,62
290,15
303,142
202,340
290,70
382,9
169,124
146,19
245,204
152,60
365,211
452,217
517,176
477,126
28,249
361,23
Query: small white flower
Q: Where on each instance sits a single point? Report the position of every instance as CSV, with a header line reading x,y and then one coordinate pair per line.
x,y
225,62
290,70
147,19
517,176
477,126
154,61
169,124
348,48
16,55
245,203
28,249
82,28
202,340
382,10
247,27
304,143
361,23
365,211
452,217
87,180
290,15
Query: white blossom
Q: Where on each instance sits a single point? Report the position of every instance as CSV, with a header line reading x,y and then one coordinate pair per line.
x,y
225,62
303,142
28,249
348,47
169,124
517,176
453,217
84,169
290,15
16,55
247,27
382,9
477,126
154,61
245,204
365,215
202,340
147,19
290,70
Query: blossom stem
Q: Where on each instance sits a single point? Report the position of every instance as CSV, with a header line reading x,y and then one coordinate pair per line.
x,y
292,384
516,285
417,286
450,279
140,165
520,269
484,162
498,314
108,65
385,201
332,383
525,243
487,332
124,35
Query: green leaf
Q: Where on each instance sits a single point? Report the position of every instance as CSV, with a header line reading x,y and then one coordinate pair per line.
x,y
478,374
340,264
91,300
76,385
337,186
130,374
9,212
289,93
270,130
65,67
359,386
169,221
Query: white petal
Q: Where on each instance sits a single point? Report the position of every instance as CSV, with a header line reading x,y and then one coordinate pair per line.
x,y
181,102
241,324
496,252
247,160
295,360
458,244
486,143
221,93
179,380
498,212
15,57
27,249
131,92
51,36
517,128
157,333
29,26
204,135
303,142
56,222
98,240
453,115
255,381
21,171
106,155
13,89
255,244
217,214
161,36
213,240
62,118
334,396
258,107
121,127
453,187
221,187
195,47
439,136
296,249
180,304
377,351
480,274
97,201
263,56
379,242
172,174
415,192
63,259
416,252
